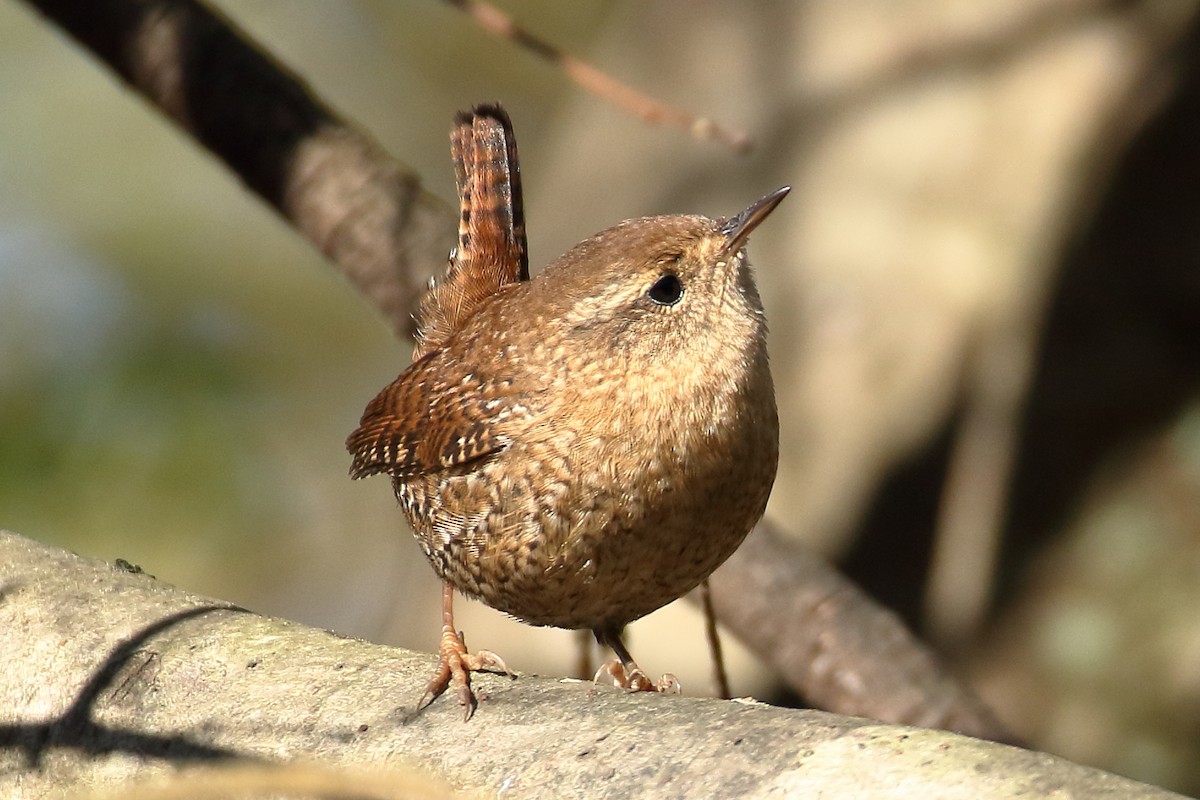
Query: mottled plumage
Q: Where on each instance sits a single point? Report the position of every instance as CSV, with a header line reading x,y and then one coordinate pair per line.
x,y
582,448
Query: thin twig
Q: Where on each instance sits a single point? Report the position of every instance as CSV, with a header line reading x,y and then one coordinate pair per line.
x,y
601,84
720,675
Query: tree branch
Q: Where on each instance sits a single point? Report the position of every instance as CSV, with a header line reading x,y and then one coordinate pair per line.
x,y
835,645
110,674
363,209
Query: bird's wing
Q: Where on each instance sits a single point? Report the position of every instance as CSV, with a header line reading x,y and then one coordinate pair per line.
x,y
436,415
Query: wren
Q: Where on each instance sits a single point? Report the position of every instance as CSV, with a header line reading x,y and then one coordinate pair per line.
x,y
579,449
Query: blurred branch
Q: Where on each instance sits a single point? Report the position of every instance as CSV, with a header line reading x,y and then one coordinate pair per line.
x,y
361,208
1004,355
836,646
110,675
961,54
601,84
967,538
367,212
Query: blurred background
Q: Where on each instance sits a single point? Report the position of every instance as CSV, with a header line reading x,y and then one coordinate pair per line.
x,y
984,297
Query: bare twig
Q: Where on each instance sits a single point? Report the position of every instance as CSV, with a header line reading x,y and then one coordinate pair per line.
x,y
601,84
720,675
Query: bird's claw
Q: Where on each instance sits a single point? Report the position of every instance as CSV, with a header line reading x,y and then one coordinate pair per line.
x,y
455,665
635,680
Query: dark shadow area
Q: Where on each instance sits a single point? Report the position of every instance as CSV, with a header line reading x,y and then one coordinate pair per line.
x,y
892,550
77,730
10,588
1120,357
1121,350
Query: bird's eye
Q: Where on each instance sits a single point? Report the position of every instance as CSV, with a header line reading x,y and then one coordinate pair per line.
x,y
667,290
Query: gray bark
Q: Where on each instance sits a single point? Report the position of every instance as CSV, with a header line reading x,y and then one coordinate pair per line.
x,y
110,675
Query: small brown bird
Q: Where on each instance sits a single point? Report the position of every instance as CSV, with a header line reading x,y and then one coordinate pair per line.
x,y
579,449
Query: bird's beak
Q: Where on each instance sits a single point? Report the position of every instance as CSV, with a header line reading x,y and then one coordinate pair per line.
x,y
737,229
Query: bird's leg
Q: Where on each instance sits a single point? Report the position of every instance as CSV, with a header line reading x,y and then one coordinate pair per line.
x,y
584,665
624,671
455,664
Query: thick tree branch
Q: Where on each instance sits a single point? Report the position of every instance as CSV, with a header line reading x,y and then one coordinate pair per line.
x,y
110,674
835,645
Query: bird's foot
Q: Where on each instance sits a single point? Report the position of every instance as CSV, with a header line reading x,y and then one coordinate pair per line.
x,y
634,680
455,665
